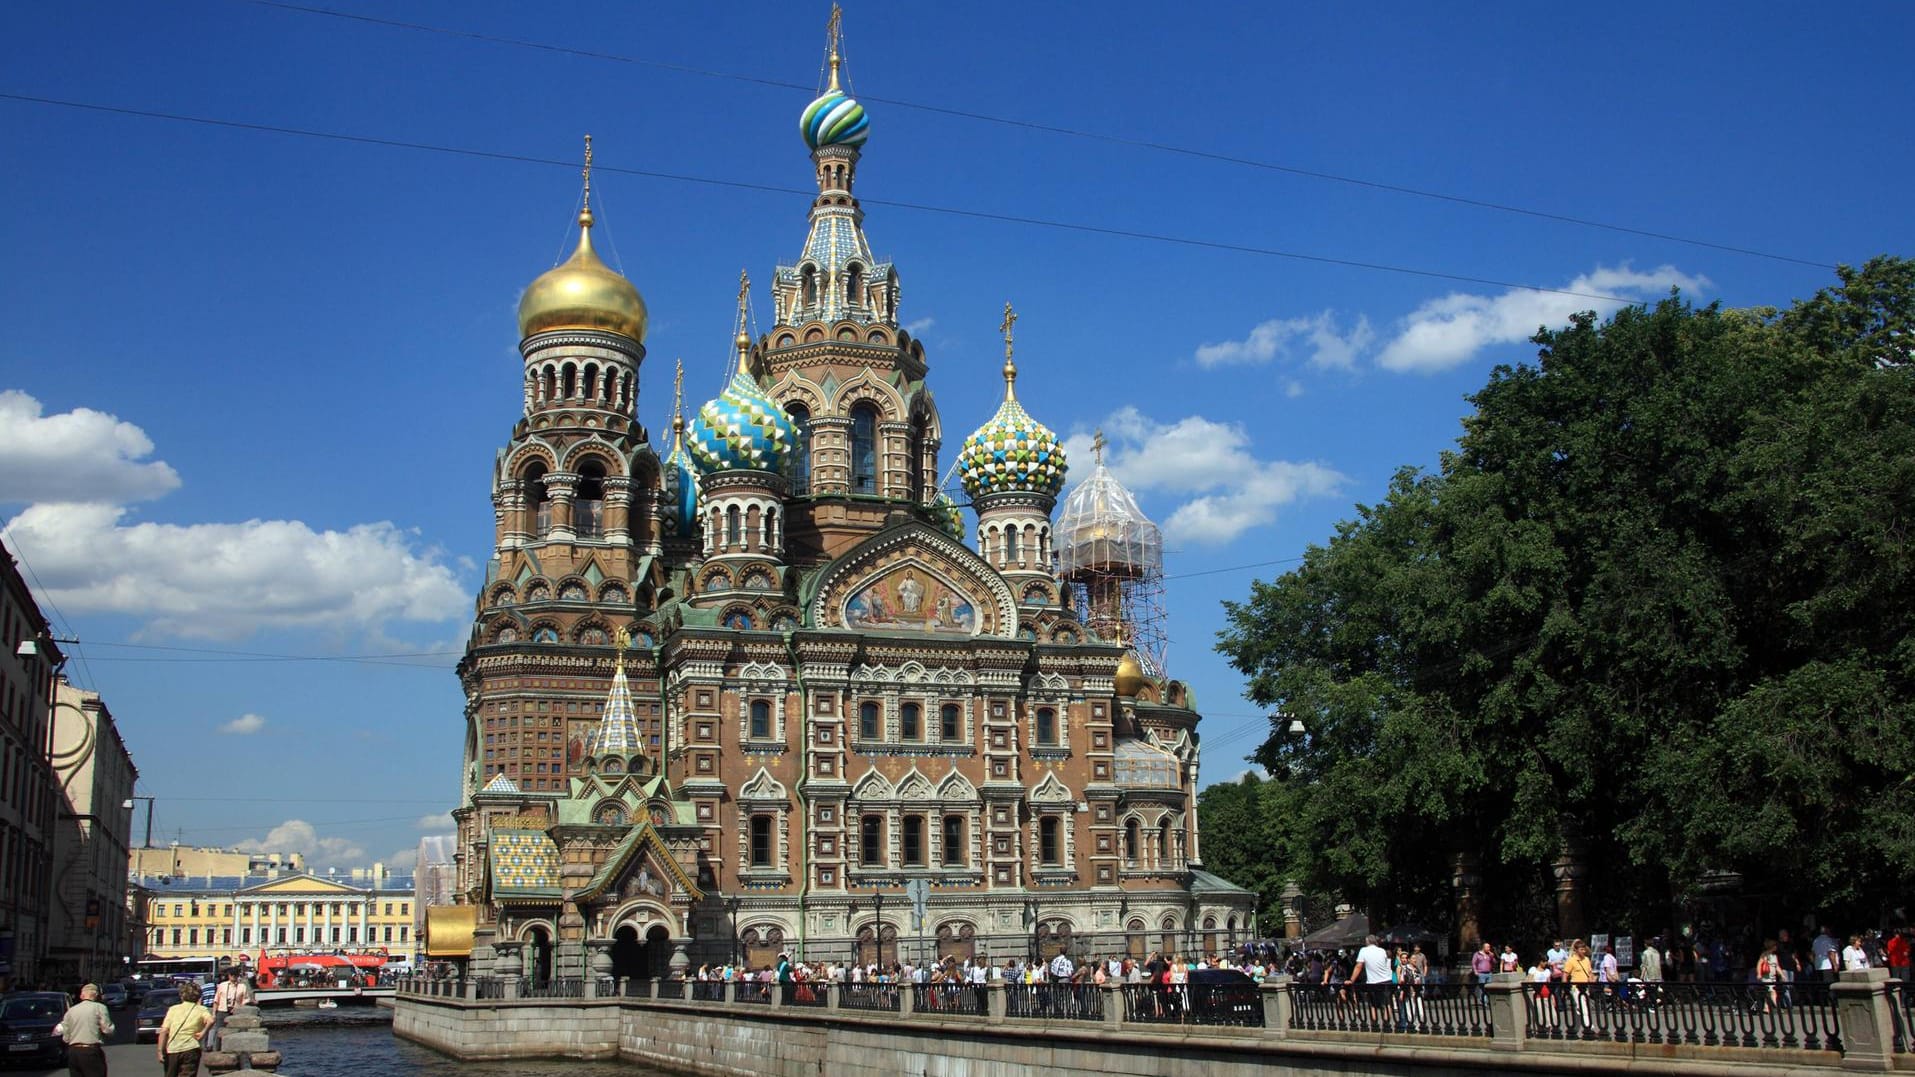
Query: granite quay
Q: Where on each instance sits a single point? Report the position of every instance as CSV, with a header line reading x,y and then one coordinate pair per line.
x,y
1860,1023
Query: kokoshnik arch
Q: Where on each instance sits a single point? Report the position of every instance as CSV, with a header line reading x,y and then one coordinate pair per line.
x,y
741,692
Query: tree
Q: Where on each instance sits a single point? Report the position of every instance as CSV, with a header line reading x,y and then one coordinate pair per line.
x,y
1652,613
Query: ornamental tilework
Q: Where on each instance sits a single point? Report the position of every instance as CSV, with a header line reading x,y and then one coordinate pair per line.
x,y
834,120
617,731
742,430
524,860
1012,452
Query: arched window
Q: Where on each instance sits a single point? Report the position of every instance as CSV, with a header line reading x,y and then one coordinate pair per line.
x,y
770,539
1010,546
733,528
801,452
1046,726
588,506
760,720
571,380
853,285
808,286
538,511
864,449
950,723
909,725
1049,850
871,840
591,381
1130,841
954,845
867,721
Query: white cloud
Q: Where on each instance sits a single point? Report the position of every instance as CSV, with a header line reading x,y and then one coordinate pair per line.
x,y
1443,333
920,327
244,726
437,822
1316,340
227,580
1225,490
299,836
403,860
79,455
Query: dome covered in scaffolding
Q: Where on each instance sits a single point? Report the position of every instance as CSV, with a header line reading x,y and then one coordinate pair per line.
x,y
1112,556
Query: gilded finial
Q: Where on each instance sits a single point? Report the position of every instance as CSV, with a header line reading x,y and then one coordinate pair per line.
x,y
1010,364
621,639
585,208
743,338
1097,447
678,403
834,35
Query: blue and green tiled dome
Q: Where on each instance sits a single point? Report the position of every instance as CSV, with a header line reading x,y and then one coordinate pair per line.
x,y
1012,453
681,488
742,430
834,120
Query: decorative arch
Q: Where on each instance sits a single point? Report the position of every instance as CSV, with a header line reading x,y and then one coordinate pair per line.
x,y
956,787
866,387
1051,791
915,786
594,448
918,547
763,789
873,786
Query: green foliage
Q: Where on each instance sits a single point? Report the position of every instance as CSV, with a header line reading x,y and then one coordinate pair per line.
x,y
1654,607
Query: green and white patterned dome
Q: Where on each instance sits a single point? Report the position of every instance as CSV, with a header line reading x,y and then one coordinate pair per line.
x,y
742,430
1013,453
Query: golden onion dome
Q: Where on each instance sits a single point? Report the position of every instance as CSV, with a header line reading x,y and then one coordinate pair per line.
x,y
583,293
1130,675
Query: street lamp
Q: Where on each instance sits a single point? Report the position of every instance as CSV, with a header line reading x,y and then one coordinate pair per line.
x,y
877,898
1030,912
731,905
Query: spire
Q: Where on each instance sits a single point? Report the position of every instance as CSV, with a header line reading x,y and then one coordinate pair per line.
x,y
617,732
834,45
1010,364
585,205
678,406
743,338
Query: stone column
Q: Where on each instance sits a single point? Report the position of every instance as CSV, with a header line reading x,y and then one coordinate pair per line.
x,y
680,961
1292,912
618,509
560,488
1862,1013
1113,1004
996,1002
598,960
508,962
1466,875
1276,1005
832,1000
1508,1011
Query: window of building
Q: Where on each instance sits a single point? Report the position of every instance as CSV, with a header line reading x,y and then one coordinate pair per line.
x,y
761,841
1130,840
734,530
954,845
1048,847
913,839
176,936
225,936
868,721
760,720
245,936
909,722
800,475
588,505
402,932
871,840
950,722
1046,726
299,934
405,908
388,932
864,449
192,936
538,509
281,940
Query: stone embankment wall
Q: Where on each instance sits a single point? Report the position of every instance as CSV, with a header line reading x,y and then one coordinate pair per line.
x,y
521,1028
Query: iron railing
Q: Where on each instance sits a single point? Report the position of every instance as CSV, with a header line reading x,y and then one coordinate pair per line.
x,y
868,996
1901,1009
1798,1015
557,987
802,994
950,998
489,987
1193,1004
1054,1001
1417,1009
751,991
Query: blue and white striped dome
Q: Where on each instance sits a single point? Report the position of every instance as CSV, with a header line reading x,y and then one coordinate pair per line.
x,y
834,120
742,430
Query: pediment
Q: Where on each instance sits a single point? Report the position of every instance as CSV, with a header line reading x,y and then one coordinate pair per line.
x,y
302,884
763,787
872,786
956,786
1050,791
913,579
915,786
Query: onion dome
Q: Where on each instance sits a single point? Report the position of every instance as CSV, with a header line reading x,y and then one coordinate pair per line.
x,y
1130,675
583,292
834,120
742,430
949,516
1013,452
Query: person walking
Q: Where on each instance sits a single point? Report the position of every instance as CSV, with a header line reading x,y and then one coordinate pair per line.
x,y
83,1029
1481,964
1373,965
232,993
180,1032
1580,972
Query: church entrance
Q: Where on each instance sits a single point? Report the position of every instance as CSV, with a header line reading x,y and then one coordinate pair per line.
x,y
540,945
628,954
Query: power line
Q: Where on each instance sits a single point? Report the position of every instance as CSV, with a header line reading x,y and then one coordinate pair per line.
x,y
45,595
921,207
1046,128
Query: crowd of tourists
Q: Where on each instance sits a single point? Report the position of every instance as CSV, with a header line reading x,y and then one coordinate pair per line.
x,y
1159,968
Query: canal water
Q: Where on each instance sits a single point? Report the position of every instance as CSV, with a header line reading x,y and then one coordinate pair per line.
x,y
355,1043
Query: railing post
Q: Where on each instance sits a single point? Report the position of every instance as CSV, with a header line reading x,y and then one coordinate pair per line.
x,y
831,994
776,993
1863,1018
471,989
995,1002
1113,1004
1508,1011
907,999
731,991
1275,992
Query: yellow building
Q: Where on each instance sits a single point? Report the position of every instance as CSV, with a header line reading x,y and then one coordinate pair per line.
x,y
186,861
235,918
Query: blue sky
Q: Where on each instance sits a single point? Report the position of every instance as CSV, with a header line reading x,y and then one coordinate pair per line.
x,y
254,381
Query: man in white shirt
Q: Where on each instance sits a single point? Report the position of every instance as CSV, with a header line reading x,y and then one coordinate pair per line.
x,y
1373,967
1825,950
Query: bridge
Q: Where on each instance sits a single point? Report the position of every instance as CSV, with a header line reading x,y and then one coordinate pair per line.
x,y
1276,1029
344,996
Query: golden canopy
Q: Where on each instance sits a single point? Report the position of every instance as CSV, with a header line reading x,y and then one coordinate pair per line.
x,y
583,293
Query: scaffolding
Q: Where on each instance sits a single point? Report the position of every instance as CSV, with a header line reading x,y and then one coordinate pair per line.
x,y
1112,558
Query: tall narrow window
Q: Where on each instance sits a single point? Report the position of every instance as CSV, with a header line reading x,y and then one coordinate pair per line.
x,y
760,720
538,510
954,850
909,722
913,837
761,841
853,285
867,721
1047,843
950,723
1130,841
871,840
734,530
1046,726
801,452
588,506
808,278
864,449
1163,842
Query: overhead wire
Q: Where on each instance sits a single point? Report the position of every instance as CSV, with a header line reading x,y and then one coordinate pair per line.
x,y
1053,129
920,207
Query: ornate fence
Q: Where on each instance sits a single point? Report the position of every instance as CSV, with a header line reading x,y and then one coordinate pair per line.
x,y
1793,1015
1424,1010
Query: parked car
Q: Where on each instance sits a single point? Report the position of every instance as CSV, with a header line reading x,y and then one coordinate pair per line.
x,y
26,1027
114,996
153,1013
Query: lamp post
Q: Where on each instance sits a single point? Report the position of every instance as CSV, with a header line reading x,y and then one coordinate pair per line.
x,y
877,898
1031,911
128,805
731,906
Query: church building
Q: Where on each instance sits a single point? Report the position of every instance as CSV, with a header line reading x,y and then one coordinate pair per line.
x,y
740,692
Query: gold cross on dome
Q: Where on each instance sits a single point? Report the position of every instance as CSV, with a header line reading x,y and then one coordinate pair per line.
x,y
1010,322
588,170
1097,445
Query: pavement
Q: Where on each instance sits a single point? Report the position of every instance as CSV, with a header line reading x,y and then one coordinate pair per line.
x,y
123,1056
